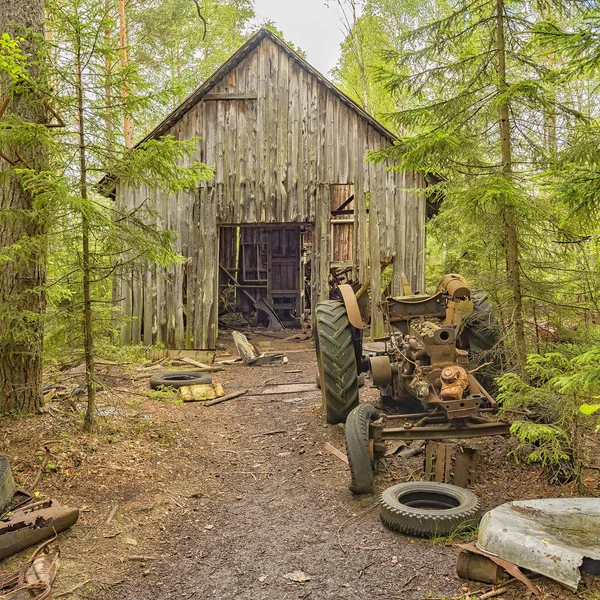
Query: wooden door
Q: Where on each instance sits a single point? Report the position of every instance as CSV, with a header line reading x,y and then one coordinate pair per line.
x,y
284,277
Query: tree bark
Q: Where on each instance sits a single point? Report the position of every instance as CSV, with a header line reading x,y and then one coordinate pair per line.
x,y
510,220
23,276
127,128
88,334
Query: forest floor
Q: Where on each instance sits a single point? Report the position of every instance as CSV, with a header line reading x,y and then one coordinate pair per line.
x,y
225,501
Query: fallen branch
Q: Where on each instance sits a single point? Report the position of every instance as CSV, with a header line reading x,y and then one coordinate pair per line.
x,y
358,516
112,514
42,468
202,366
408,452
226,398
493,593
275,432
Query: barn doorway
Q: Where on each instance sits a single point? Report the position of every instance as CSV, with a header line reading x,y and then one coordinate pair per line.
x,y
262,274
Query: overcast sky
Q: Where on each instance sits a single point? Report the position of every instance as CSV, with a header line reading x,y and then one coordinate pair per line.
x,y
309,25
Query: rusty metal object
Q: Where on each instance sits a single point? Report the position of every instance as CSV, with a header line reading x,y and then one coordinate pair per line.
x,y
451,463
455,286
419,305
33,524
509,567
351,303
420,359
380,368
440,430
454,383
34,579
479,568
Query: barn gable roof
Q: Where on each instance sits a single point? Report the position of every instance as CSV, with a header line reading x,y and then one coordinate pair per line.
x,y
235,60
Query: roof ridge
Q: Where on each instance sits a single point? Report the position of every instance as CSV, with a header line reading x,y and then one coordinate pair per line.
x,y
234,60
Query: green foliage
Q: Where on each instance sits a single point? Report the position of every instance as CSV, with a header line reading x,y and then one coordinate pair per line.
x,y
462,533
12,60
553,399
170,54
157,164
164,395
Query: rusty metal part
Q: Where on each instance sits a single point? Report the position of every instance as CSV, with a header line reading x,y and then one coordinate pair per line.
x,y
451,463
380,369
34,523
509,567
421,305
351,303
479,568
462,357
476,388
455,286
35,576
454,383
435,427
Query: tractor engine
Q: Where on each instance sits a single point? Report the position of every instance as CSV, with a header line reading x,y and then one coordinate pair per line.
x,y
421,360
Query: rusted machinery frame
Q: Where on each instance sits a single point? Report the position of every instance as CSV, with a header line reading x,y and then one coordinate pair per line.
x,y
435,428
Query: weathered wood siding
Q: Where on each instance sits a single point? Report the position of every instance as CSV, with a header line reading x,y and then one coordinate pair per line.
x,y
278,137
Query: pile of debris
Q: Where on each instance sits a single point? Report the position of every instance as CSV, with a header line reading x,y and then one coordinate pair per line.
x,y
24,523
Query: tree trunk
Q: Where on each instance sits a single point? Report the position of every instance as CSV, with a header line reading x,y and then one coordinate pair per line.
x,y
23,277
88,334
510,221
127,129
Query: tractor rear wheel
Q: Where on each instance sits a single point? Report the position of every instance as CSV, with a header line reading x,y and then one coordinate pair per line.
x,y
337,360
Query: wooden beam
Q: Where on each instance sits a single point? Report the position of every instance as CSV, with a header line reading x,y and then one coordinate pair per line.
x,y
226,96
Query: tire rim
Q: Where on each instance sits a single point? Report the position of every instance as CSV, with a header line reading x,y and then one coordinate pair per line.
x,y
425,500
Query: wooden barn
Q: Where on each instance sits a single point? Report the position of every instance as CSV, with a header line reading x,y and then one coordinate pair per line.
x,y
293,200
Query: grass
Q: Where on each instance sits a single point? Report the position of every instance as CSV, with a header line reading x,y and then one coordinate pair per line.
x,y
463,533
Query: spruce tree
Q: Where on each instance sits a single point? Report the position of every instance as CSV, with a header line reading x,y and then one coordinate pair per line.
x,y
22,215
478,102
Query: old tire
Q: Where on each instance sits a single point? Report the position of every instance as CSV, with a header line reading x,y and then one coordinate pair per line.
x,y
358,450
428,509
337,360
177,379
7,484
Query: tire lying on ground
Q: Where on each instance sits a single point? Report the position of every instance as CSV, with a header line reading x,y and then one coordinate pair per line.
x,y
177,379
360,457
337,360
428,509
7,484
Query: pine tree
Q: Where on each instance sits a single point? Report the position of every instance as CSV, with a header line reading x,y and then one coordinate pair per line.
x,y
22,218
478,100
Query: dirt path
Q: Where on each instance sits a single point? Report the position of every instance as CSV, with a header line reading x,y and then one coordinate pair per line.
x,y
224,501
280,504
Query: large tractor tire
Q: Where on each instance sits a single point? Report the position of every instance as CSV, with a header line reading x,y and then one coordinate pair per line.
x,y
337,360
361,458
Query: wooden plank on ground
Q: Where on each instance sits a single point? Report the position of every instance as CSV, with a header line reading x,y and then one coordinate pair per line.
x,y
289,388
200,393
338,453
205,356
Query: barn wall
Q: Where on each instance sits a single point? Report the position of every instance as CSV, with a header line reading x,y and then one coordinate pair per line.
x,y
277,137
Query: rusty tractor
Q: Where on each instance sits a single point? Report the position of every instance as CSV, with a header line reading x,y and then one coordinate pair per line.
x,y
420,367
